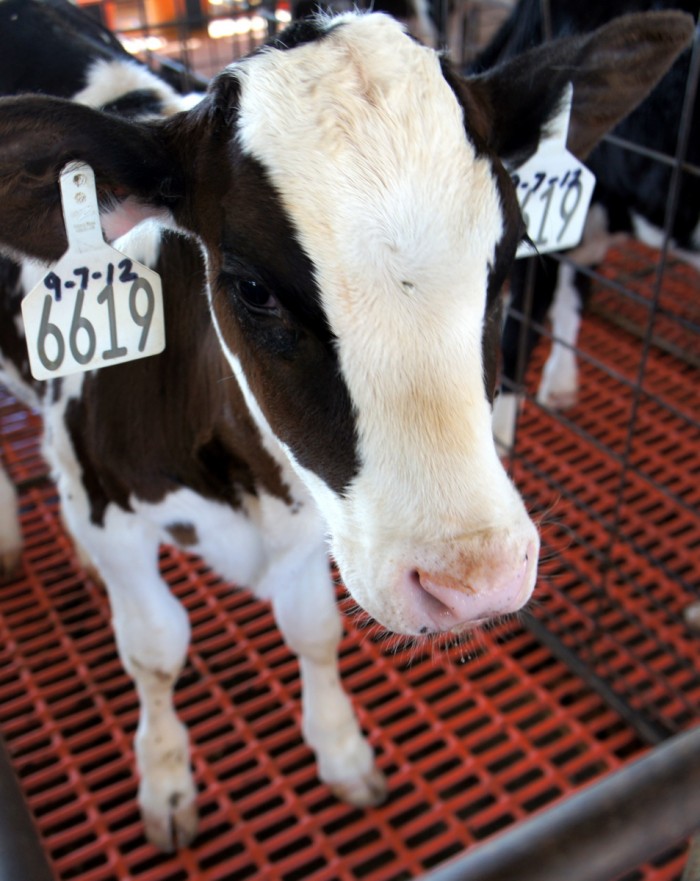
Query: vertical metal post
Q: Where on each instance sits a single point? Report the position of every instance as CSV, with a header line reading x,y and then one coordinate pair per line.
x,y
22,857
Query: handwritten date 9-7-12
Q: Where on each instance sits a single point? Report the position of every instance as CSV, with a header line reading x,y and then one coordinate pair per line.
x,y
83,276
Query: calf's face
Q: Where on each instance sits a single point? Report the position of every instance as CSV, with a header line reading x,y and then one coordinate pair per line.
x,y
357,224
362,350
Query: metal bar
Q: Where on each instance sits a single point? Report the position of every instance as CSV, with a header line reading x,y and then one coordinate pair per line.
x,y
182,34
22,857
600,833
649,729
195,82
624,290
635,329
583,662
631,147
546,10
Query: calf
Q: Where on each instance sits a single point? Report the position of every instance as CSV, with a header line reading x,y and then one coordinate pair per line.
x,y
631,195
333,225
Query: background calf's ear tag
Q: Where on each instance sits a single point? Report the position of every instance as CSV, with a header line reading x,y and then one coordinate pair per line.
x,y
96,307
554,190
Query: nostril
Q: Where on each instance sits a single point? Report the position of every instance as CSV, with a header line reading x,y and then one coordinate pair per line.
x,y
428,602
448,600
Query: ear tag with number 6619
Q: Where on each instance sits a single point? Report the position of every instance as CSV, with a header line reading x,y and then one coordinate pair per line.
x,y
554,190
97,307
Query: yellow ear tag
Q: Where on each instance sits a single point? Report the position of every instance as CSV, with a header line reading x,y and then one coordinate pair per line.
x,y
97,306
554,191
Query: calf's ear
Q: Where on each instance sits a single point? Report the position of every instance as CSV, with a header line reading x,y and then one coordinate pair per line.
x,y
137,174
612,70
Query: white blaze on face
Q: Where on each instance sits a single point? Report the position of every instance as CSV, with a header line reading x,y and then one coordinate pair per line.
x,y
365,142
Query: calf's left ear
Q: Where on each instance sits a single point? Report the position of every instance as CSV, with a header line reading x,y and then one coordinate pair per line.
x,y
612,70
137,173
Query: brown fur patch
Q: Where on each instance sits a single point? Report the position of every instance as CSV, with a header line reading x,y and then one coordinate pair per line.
x,y
156,425
289,359
183,534
12,343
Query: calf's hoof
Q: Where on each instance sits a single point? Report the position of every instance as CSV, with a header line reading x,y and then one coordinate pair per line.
x,y
559,385
691,614
173,827
558,399
168,803
10,563
366,791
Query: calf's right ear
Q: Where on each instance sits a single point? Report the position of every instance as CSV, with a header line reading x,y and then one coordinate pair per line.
x,y
137,174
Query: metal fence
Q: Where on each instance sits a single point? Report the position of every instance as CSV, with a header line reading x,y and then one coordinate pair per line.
x,y
625,513
203,36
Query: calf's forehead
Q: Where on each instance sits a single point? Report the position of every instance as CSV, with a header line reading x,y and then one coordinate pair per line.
x,y
365,142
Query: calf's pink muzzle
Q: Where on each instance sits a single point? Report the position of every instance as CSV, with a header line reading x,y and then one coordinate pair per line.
x,y
437,602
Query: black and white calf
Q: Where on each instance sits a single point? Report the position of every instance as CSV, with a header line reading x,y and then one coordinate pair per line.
x,y
631,196
332,223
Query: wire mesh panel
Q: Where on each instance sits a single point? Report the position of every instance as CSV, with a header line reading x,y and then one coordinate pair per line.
x,y
622,502
623,526
203,36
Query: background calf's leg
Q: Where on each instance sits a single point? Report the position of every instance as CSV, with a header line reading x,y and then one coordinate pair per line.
x,y
559,383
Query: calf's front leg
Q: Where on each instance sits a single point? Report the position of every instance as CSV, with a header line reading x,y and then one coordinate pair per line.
x,y
152,634
306,612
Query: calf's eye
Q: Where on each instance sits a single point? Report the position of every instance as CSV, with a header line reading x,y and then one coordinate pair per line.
x,y
256,296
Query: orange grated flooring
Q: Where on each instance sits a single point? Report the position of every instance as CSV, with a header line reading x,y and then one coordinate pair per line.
x,y
472,739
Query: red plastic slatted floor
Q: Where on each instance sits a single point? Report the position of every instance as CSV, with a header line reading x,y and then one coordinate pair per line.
x,y
473,740
675,327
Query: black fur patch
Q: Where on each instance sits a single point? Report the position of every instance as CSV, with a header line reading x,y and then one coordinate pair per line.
x,y
307,30
135,104
48,46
